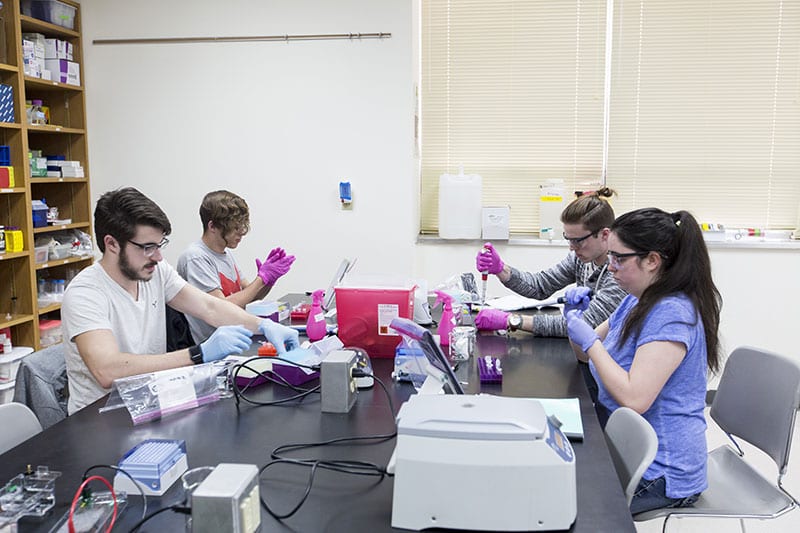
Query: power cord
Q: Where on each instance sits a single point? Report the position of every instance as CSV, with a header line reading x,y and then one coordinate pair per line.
x,y
240,392
176,508
359,468
86,492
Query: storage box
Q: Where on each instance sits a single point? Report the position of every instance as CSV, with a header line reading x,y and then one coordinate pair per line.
x,y
7,177
61,251
364,309
51,11
49,332
56,49
14,239
39,210
41,253
495,223
6,103
64,71
275,310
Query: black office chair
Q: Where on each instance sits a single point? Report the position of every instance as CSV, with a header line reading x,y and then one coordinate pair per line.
x,y
756,401
179,335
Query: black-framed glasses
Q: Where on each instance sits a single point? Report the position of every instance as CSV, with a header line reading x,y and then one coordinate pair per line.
x,y
578,241
616,259
150,248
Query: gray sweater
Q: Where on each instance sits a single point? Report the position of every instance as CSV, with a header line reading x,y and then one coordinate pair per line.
x,y
542,285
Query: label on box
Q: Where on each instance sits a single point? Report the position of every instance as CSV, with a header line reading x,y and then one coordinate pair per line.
x,y
387,313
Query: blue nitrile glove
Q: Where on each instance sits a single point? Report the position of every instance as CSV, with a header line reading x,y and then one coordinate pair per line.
x,y
577,298
226,340
282,337
579,331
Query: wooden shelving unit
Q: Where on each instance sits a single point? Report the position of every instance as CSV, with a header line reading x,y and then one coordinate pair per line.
x,y
65,135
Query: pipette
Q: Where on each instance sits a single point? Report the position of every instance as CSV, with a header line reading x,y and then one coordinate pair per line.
x,y
558,300
484,279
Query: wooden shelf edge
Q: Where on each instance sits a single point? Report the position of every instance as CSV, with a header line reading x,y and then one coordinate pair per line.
x,y
50,84
15,320
30,24
14,255
36,179
49,308
12,190
8,68
66,261
54,129
50,229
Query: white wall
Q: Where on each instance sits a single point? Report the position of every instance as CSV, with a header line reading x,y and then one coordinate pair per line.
x,y
282,123
278,123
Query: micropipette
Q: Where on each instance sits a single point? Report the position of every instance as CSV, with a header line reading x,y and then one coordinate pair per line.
x,y
484,279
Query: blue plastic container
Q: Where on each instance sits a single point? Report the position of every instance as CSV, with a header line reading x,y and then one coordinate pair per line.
x,y
39,213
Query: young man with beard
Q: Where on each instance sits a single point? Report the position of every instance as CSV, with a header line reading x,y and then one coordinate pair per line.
x,y
209,264
113,313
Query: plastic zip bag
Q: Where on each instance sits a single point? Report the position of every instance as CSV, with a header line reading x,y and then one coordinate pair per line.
x,y
152,396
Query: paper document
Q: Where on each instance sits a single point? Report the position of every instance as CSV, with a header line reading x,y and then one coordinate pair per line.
x,y
568,411
515,302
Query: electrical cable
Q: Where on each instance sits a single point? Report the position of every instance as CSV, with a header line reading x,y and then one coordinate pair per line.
x,y
79,492
360,468
176,508
118,469
239,393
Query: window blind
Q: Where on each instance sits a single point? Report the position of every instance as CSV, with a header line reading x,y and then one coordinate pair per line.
x,y
704,112
704,104
513,91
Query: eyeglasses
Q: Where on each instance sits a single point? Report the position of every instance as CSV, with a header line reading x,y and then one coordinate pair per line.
x,y
616,260
578,241
149,249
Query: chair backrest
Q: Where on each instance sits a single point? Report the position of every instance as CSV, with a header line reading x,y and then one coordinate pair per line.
x,y
41,384
633,443
757,400
18,423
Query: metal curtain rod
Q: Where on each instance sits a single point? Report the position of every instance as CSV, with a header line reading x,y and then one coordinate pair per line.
x,y
245,39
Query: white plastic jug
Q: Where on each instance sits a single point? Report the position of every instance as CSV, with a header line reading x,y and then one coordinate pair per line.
x,y
460,206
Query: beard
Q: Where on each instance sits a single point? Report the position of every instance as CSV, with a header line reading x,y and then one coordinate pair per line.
x,y
129,272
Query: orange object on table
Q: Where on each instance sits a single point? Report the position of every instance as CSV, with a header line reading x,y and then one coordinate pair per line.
x,y
267,350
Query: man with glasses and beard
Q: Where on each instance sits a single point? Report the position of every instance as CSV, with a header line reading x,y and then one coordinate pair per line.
x,y
209,264
113,313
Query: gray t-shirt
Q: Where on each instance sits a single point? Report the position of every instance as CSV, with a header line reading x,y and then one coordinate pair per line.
x,y
208,270
94,301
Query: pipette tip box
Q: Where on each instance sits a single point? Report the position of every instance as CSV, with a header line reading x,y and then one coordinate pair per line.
x,y
155,464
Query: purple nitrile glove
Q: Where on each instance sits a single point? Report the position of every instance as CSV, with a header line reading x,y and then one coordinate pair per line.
x,y
488,260
274,266
579,331
492,319
577,298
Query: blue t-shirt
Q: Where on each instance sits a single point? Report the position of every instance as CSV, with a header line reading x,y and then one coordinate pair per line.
x,y
677,414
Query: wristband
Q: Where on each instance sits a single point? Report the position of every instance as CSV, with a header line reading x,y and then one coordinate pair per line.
x,y
196,354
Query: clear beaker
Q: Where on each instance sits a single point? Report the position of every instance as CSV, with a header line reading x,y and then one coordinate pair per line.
x,y
462,342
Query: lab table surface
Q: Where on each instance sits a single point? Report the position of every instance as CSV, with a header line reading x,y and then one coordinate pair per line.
x,y
224,432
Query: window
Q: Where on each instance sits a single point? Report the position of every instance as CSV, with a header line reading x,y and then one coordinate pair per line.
x,y
703,106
